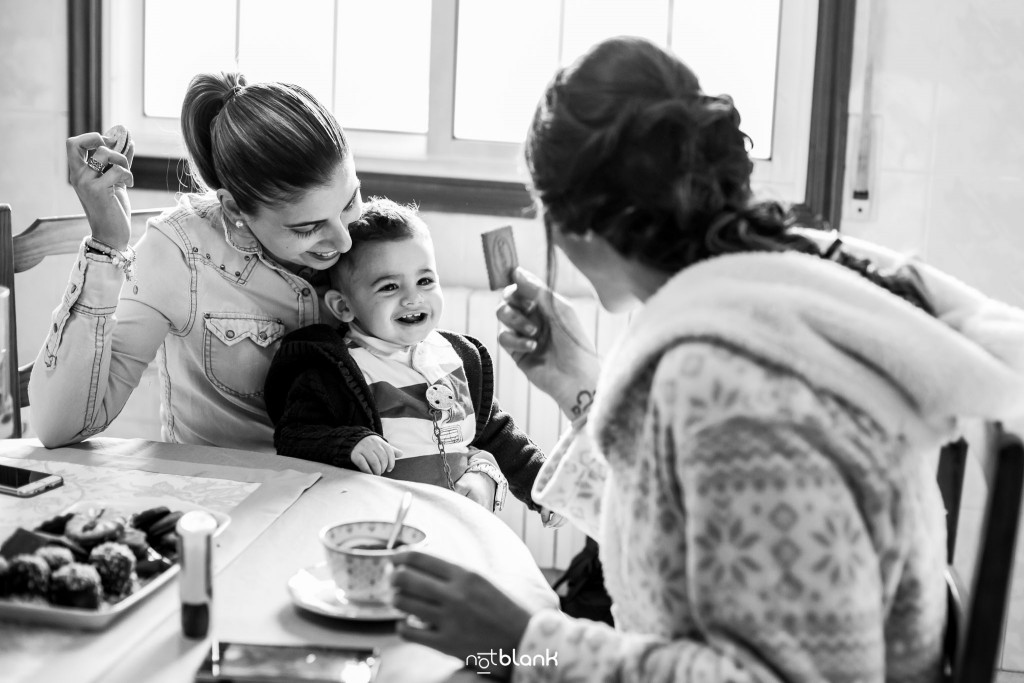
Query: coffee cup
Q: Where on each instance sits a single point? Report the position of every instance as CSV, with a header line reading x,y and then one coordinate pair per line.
x,y
359,562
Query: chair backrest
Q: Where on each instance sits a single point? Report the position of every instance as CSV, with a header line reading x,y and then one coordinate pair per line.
x,y
974,628
952,467
18,253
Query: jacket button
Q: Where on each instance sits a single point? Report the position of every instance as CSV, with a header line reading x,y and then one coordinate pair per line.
x,y
305,291
237,273
195,250
263,336
74,288
206,315
230,334
222,267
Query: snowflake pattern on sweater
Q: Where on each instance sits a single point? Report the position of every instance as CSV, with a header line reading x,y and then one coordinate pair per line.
x,y
752,528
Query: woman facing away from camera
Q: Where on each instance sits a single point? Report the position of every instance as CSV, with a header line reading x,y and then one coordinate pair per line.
x,y
757,463
216,281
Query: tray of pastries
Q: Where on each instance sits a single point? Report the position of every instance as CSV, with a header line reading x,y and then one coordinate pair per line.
x,y
92,563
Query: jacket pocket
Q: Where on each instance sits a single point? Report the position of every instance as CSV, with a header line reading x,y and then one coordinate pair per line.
x,y
237,350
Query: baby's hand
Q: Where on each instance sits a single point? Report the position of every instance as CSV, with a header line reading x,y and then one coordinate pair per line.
x,y
478,487
374,455
551,519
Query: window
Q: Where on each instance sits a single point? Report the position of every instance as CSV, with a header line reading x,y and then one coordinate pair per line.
x,y
447,88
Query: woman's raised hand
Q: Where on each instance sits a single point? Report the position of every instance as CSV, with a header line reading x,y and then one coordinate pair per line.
x,y
545,338
104,196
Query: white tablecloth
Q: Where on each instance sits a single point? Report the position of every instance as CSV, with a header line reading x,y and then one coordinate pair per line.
x,y
273,534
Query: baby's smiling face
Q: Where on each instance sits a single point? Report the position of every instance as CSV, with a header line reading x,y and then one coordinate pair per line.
x,y
390,290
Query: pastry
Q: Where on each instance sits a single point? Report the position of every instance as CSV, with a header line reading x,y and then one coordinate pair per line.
x,y
145,519
136,542
76,585
28,576
90,530
55,525
121,138
166,524
116,566
55,556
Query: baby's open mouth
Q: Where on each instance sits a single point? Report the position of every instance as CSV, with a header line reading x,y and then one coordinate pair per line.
x,y
412,318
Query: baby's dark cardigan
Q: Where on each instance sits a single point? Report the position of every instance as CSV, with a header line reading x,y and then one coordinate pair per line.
x,y
321,406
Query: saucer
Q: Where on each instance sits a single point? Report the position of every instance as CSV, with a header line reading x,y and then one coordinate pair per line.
x,y
313,589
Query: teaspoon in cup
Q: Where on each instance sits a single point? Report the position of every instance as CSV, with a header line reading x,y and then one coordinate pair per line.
x,y
403,509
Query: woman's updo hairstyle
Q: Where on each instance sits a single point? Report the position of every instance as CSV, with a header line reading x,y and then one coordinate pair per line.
x,y
266,143
625,144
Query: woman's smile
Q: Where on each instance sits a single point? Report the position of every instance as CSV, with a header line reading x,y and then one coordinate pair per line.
x,y
325,255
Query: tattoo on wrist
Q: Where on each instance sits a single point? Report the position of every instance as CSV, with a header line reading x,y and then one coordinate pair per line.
x,y
584,399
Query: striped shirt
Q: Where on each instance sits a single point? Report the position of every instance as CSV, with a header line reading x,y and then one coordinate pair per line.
x,y
398,378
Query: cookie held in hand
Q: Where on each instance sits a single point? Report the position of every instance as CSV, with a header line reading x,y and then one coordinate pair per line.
x,y
121,137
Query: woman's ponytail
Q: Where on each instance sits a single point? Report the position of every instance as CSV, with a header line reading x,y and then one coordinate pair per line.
x,y
206,96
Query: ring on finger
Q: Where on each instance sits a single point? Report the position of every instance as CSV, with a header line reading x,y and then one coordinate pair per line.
x,y
413,621
95,164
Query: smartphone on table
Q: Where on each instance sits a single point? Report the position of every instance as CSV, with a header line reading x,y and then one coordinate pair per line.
x,y
252,663
18,481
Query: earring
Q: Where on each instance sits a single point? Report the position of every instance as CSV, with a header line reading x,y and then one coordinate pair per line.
x,y
239,224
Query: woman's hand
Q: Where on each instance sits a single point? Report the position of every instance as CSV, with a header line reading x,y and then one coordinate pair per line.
x,y
551,519
461,613
546,339
478,487
104,197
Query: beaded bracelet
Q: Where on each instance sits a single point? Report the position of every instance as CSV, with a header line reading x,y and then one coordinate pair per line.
x,y
124,260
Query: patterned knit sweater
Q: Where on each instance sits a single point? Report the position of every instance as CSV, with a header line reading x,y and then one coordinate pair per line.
x,y
756,472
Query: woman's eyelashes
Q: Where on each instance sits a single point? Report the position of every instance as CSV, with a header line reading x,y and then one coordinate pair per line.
x,y
311,231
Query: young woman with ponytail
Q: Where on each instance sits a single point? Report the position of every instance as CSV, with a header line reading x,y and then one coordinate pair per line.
x,y
756,456
215,282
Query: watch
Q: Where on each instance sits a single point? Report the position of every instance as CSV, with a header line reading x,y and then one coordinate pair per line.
x,y
492,471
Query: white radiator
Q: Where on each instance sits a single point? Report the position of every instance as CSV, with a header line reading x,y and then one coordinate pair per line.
x,y
471,311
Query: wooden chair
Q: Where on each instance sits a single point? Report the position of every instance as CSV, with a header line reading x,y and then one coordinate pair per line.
x,y
18,253
974,627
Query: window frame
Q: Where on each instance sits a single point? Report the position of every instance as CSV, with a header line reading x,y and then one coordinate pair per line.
x,y
438,189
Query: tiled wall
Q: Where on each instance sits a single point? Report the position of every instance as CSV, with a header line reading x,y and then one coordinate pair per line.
x,y
948,96
948,101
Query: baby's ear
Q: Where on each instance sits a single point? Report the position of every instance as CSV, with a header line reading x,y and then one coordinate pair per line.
x,y
338,305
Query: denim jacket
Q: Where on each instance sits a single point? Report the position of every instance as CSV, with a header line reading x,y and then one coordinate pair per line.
x,y
206,303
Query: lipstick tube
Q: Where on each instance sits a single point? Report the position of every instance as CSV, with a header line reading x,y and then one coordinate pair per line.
x,y
195,535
